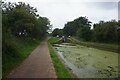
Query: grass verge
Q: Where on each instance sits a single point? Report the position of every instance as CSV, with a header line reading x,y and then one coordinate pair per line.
x,y
53,40
103,46
60,69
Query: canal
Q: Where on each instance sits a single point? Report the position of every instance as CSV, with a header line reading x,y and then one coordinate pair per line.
x,y
86,62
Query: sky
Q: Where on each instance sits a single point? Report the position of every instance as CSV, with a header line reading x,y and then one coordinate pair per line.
x,y
59,12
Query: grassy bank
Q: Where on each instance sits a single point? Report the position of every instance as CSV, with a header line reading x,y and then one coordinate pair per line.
x,y
15,51
53,40
61,70
103,46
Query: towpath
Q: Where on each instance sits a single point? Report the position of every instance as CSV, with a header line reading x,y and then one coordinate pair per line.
x,y
37,65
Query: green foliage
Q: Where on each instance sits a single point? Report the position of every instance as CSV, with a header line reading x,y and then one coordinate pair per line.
x,y
22,28
105,31
79,27
60,69
84,33
22,21
70,29
58,32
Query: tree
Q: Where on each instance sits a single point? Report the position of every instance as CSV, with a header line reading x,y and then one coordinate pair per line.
x,y
84,34
58,32
21,20
80,27
70,29
105,31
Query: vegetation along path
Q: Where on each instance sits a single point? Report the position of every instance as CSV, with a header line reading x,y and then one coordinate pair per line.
x,y
37,65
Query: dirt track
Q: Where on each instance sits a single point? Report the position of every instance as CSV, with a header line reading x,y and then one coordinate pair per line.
x,y
37,65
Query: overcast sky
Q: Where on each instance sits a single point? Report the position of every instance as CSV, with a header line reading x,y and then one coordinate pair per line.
x,y
59,12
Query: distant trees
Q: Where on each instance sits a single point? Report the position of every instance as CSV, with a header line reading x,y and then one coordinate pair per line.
x,y
58,32
79,27
69,29
102,32
84,33
105,31
118,32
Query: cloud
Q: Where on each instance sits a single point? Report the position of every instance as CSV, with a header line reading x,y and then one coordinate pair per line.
x,y
60,12
104,5
119,10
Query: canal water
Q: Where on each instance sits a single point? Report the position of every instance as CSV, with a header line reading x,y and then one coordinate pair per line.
x,y
86,62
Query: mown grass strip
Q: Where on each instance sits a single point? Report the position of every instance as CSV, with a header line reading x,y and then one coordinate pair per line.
x,y
60,69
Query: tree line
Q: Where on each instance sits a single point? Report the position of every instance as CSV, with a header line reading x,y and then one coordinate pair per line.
x,y
22,20
22,30
21,26
102,31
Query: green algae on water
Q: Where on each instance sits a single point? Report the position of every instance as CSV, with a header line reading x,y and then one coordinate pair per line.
x,y
88,62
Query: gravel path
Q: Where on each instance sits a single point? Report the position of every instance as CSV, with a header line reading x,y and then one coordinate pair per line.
x,y
37,65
